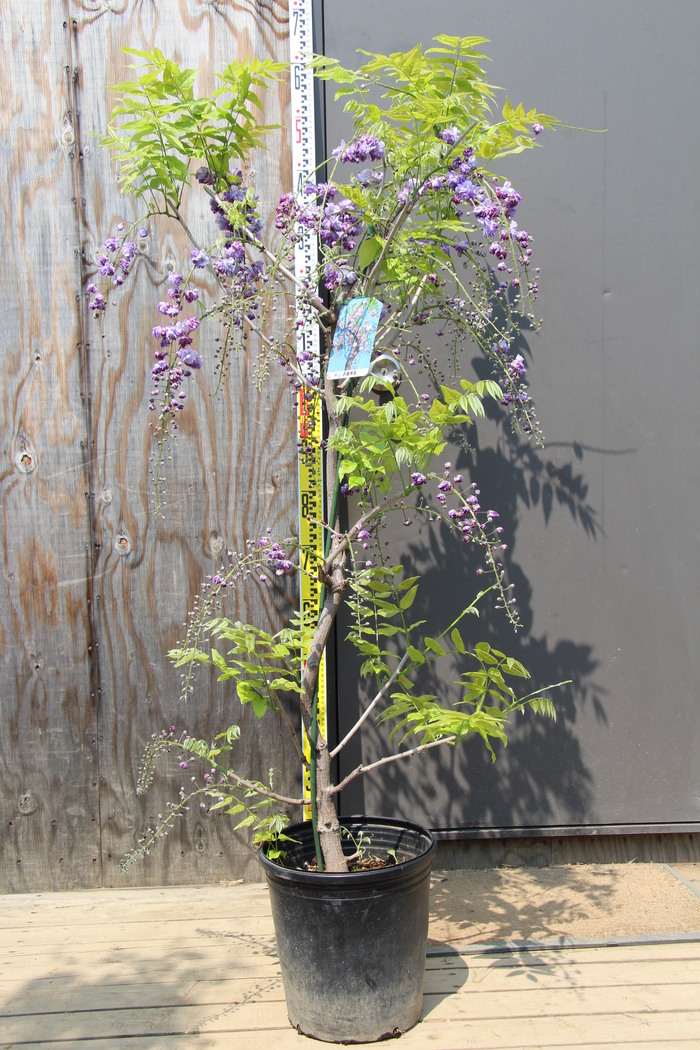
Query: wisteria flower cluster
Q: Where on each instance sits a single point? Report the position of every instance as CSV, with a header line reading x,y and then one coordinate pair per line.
x,y
410,219
175,356
114,264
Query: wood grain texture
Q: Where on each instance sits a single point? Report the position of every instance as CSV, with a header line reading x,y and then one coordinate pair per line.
x,y
48,766
97,586
180,968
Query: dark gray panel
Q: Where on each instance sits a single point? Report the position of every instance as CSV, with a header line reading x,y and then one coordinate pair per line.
x,y
605,517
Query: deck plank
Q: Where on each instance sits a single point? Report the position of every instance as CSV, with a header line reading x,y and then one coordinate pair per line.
x,y
255,1024
196,969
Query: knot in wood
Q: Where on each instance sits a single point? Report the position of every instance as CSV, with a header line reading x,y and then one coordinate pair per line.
x,y
27,804
67,135
25,456
122,544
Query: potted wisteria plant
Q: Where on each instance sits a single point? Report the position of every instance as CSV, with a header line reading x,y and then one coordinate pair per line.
x,y
415,232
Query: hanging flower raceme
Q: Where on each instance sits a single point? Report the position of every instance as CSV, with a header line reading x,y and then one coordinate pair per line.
x,y
175,357
114,263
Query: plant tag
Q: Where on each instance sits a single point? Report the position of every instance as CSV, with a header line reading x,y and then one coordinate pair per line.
x,y
354,339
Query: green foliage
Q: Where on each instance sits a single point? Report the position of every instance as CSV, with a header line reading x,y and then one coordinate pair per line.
x,y
218,790
382,442
251,800
159,127
422,92
410,229
484,708
378,597
485,700
423,250
261,664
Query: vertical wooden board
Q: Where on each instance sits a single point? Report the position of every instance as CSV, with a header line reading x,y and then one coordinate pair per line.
x,y
48,759
230,475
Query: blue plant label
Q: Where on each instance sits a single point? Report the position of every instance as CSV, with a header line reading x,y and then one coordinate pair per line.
x,y
354,337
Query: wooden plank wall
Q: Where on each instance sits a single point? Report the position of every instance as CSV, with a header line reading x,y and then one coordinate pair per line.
x,y
95,586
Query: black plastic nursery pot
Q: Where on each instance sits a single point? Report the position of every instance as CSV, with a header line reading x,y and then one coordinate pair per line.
x,y
352,947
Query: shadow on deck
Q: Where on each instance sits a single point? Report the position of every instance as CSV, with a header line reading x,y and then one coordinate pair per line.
x,y
171,969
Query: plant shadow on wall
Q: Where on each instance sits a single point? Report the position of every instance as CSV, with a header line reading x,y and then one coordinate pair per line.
x,y
541,778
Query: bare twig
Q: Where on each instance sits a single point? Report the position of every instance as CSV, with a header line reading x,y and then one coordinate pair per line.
x,y
370,708
241,782
396,226
343,542
361,770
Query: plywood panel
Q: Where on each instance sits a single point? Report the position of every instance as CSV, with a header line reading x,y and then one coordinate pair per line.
x,y
48,741
96,587
230,475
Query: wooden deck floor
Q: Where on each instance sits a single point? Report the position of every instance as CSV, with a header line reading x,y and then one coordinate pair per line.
x,y
171,969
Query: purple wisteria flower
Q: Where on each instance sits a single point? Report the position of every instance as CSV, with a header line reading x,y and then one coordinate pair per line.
x,y
189,357
205,176
200,259
105,266
408,190
248,222
232,259
434,184
370,177
508,197
286,213
517,366
337,225
450,135
115,264
366,147
336,277
276,558
340,225
325,191
175,357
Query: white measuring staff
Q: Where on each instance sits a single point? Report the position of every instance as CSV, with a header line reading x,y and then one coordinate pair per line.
x,y
311,486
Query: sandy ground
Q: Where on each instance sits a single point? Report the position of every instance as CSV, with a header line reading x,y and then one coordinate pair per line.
x,y
568,901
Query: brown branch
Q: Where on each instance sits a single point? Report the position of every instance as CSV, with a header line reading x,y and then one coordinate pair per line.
x,y
274,795
365,715
328,824
397,224
360,770
344,541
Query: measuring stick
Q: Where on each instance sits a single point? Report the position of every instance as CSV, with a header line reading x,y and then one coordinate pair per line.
x,y
309,434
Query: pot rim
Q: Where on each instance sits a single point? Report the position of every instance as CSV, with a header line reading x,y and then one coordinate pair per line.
x,y
276,871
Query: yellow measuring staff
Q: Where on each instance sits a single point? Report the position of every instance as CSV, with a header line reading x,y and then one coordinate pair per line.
x,y
311,539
